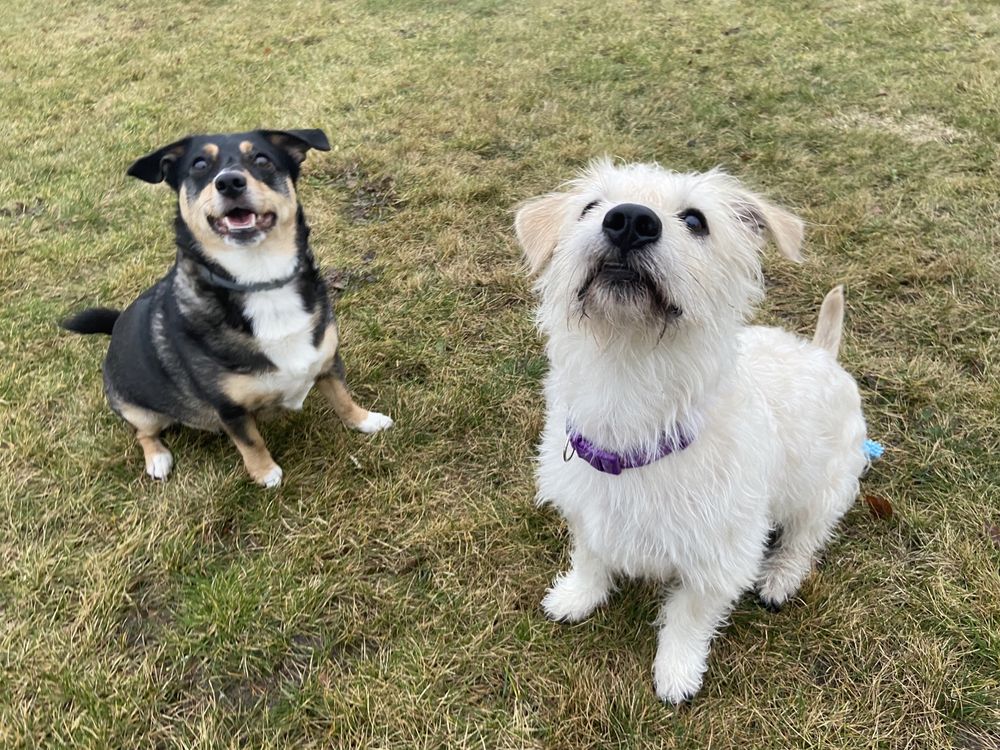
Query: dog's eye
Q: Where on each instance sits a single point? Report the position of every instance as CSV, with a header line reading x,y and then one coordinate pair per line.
x,y
199,165
588,207
261,160
694,220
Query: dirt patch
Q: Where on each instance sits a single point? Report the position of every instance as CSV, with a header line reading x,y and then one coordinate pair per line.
x,y
969,737
18,209
340,280
305,654
144,615
372,197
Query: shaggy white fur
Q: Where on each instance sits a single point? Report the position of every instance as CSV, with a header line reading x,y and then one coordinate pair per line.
x,y
654,339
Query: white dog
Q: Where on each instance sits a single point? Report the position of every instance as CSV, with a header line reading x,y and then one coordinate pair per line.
x,y
676,436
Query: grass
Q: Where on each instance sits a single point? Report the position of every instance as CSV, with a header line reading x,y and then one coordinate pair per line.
x,y
387,595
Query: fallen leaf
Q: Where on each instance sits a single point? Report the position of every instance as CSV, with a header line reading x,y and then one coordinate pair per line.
x,y
879,507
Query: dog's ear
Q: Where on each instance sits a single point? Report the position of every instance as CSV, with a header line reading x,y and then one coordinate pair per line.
x,y
296,143
786,229
160,165
537,225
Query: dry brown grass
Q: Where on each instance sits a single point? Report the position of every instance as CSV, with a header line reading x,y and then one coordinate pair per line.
x,y
387,595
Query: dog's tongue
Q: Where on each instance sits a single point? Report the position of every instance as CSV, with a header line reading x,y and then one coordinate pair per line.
x,y
240,218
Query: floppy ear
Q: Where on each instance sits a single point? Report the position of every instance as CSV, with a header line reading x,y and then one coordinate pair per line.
x,y
537,224
159,165
786,229
296,143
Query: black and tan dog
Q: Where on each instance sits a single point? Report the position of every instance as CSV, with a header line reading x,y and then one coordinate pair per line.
x,y
242,321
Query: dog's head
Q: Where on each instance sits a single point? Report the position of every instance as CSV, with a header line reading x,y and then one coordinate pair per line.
x,y
641,247
234,190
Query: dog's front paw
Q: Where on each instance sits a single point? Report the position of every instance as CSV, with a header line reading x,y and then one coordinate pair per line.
x,y
159,465
270,477
677,673
374,422
571,599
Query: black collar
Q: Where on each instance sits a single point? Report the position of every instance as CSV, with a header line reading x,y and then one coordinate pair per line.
x,y
260,286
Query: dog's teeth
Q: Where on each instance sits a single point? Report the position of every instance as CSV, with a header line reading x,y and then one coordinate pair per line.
x,y
246,223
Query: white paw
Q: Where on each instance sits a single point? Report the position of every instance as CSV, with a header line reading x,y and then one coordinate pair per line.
x,y
772,594
677,672
374,422
571,600
778,584
159,466
272,478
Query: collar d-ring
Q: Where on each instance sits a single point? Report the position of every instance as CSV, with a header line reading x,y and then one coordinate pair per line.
x,y
569,450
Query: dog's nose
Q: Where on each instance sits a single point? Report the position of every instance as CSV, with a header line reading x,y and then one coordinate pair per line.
x,y
231,184
629,226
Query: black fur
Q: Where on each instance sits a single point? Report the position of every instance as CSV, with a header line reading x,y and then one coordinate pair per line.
x,y
93,320
173,347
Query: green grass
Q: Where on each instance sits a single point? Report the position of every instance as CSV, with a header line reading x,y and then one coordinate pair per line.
x,y
387,595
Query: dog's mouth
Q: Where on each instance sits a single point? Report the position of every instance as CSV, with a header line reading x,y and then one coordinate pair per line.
x,y
242,223
614,274
627,285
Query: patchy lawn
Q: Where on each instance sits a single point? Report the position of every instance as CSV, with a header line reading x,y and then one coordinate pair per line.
x,y
387,595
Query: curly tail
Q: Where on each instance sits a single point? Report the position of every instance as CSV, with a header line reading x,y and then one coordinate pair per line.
x,y
831,321
93,320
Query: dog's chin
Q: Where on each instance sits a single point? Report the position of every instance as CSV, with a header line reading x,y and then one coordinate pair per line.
x,y
621,294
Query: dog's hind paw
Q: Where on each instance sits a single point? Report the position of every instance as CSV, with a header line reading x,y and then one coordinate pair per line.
x,y
374,422
777,585
159,465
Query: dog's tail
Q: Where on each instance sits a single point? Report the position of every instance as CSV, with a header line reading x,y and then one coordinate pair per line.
x,y
831,321
93,320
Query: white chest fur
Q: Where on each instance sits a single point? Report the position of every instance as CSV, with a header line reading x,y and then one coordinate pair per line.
x,y
284,334
665,517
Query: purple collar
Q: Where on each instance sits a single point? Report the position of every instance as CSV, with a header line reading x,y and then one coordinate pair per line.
x,y
615,463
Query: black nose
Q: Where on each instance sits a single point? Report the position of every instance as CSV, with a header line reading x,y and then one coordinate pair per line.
x,y
231,184
629,226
